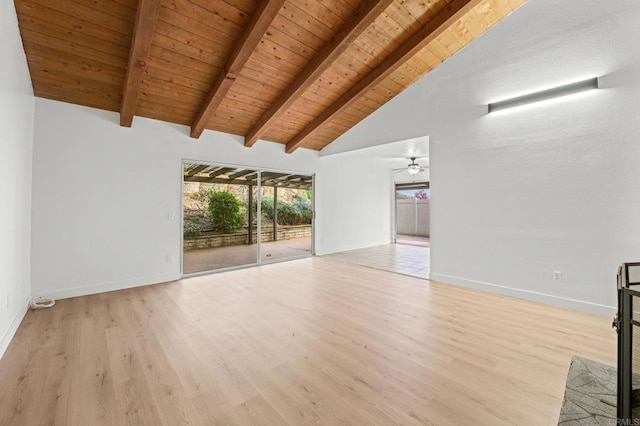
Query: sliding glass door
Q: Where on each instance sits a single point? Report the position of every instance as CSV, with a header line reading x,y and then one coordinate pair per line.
x,y
218,222
287,218
235,216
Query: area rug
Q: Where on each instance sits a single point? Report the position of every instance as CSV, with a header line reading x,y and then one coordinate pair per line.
x,y
590,394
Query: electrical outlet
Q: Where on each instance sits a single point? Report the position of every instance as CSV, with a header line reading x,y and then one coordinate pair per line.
x,y
557,275
169,258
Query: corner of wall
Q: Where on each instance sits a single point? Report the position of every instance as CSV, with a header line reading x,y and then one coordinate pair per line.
x,y
13,327
17,115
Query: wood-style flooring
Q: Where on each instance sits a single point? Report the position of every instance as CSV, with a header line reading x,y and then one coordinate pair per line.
x,y
313,341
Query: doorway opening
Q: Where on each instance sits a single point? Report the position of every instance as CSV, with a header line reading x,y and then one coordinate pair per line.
x,y
412,202
237,216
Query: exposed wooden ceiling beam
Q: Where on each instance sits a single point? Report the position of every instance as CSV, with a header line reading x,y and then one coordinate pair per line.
x,y
260,22
361,19
425,35
143,29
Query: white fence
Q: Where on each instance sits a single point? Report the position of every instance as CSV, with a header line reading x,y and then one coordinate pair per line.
x,y
412,217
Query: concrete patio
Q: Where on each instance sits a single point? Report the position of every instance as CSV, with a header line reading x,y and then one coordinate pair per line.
x,y
229,256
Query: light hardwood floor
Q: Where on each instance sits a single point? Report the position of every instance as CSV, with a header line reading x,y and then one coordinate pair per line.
x,y
313,341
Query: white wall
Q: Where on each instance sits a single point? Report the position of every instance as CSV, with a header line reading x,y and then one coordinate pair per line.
x,y
106,201
355,200
16,133
549,187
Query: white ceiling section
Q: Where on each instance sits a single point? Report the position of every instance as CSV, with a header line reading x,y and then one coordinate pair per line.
x,y
551,187
389,155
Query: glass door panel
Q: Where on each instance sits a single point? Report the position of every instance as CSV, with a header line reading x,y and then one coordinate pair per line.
x,y
219,217
286,216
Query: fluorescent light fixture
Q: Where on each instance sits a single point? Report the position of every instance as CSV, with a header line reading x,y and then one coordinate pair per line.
x,y
555,92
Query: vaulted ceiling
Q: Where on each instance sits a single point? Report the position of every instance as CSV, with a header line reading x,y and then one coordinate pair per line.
x,y
296,72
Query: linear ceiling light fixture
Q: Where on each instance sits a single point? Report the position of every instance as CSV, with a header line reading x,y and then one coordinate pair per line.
x,y
555,92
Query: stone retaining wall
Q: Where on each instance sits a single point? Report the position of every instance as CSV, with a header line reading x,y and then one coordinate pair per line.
x,y
240,237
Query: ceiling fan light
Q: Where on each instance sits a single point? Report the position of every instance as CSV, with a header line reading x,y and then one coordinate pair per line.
x,y
413,168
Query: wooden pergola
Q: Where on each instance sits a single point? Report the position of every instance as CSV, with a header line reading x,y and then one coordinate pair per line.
x,y
244,176
202,173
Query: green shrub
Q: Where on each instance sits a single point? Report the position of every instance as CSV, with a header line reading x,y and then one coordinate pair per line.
x,y
191,229
304,208
288,214
297,212
195,222
267,207
224,211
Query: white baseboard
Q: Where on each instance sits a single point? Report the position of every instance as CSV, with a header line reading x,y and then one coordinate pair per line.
x,y
105,287
13,327
549,299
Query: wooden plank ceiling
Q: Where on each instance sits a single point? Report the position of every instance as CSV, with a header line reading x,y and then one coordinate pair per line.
x,y
296,72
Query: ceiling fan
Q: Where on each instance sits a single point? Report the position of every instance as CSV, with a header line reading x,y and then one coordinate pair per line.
x,y
413,168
